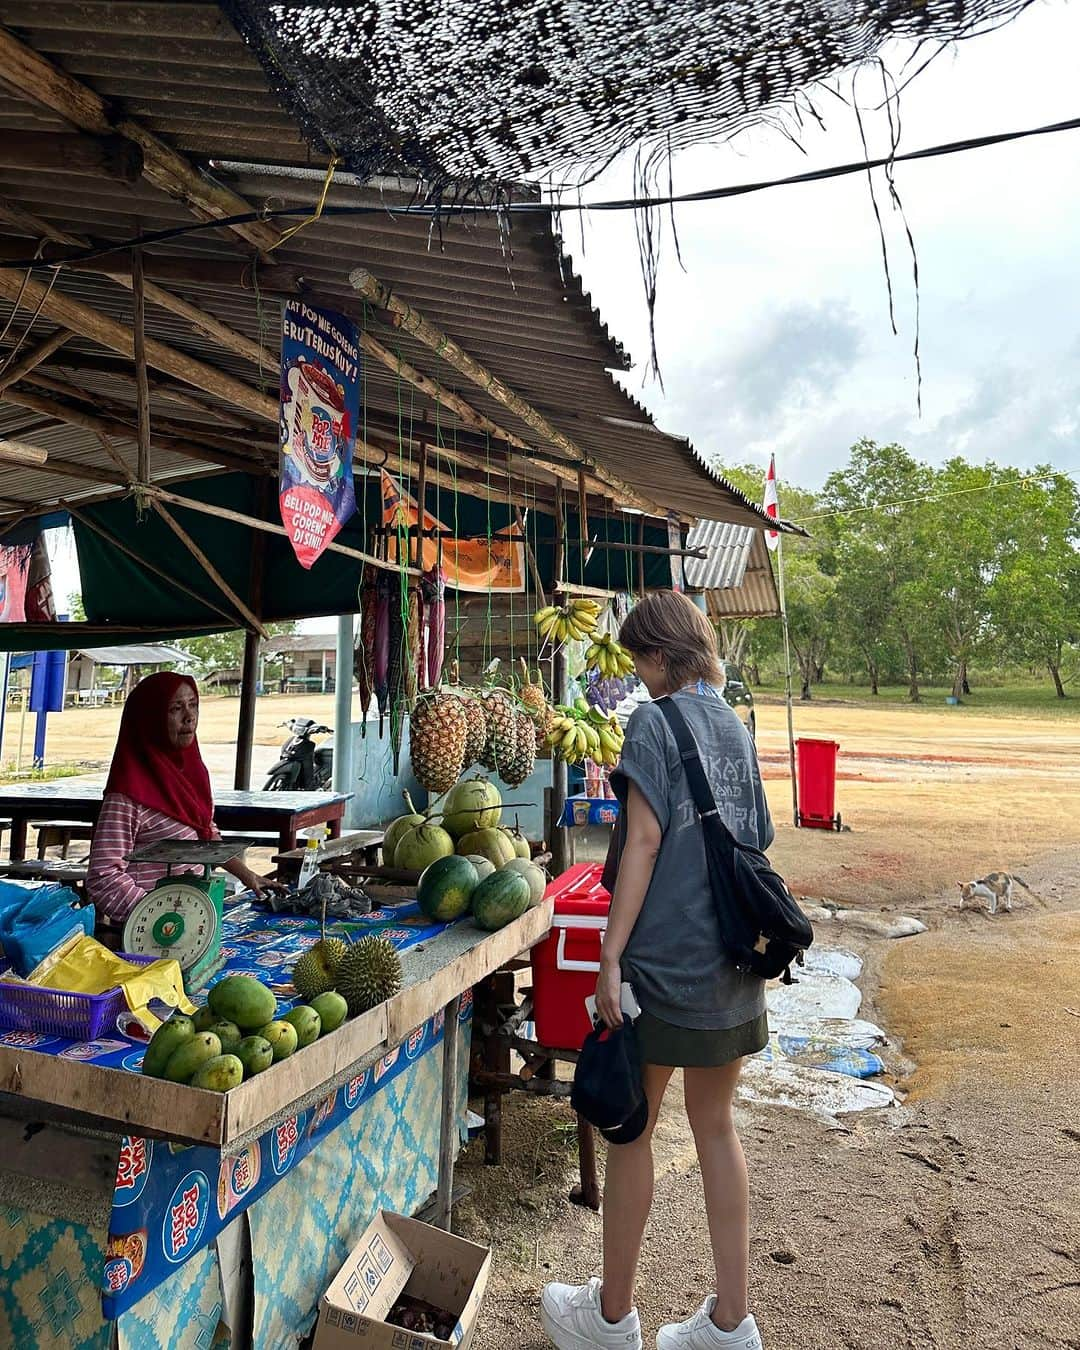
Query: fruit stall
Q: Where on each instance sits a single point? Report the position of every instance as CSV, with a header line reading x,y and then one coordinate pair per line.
x,y
317,1078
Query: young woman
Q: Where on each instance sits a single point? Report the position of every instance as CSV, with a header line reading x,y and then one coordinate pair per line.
x,y
158,788
699,1014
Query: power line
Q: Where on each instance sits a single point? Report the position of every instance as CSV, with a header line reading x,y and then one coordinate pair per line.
x,y
546,208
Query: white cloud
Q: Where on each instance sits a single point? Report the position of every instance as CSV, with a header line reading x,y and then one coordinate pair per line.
x,y
777,336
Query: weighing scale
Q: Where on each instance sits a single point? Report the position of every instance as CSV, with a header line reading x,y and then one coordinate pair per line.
x,y
180,918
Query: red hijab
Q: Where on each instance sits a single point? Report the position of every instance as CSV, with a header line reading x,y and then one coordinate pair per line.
x,y
151,771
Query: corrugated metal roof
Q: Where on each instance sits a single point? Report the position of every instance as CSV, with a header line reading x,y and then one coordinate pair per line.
x,y
147,654
295,643
514,303
737,575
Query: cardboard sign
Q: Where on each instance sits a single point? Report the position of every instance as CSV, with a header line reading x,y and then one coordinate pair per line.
x,y
469,564
320,403
397,1255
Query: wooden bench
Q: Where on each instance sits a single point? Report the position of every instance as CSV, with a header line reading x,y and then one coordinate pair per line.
x,y
59,834
70,873
365,842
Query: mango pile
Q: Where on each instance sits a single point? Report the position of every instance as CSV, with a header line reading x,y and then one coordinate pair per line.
x,y
236,1035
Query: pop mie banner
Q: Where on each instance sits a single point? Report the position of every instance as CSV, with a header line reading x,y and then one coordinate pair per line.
x,y
320,404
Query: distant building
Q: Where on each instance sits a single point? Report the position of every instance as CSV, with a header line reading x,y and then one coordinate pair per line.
x,y
308,661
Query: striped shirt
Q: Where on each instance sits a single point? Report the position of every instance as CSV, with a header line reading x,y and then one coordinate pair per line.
x,y
112,883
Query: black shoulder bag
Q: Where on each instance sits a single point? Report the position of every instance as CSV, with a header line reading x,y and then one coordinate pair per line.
x,y
761,925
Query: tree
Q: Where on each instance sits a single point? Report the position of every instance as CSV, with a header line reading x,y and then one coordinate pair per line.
x,y
873,548
965,531
1035,596
224,651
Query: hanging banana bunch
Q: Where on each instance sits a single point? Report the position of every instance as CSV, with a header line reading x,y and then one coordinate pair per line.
x,y
609,657
578,732
563,623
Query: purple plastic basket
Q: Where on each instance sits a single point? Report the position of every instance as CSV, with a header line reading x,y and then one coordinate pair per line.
x,y
79,1017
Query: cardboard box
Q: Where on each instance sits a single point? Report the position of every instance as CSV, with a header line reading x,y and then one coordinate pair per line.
x,y
397,1255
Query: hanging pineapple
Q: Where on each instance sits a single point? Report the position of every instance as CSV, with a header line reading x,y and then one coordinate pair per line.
x,y
535,700
521,762
476,722
501,717
437,736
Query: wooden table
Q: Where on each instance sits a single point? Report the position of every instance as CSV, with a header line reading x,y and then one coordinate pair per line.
x,y
283,813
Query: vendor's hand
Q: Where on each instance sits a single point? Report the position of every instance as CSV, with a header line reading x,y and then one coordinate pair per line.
x,y
608,994
261,886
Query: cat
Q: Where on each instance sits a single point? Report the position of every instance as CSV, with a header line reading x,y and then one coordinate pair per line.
x,y
995,887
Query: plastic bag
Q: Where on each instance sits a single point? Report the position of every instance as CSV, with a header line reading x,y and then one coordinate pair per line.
x,y
84,966
37,919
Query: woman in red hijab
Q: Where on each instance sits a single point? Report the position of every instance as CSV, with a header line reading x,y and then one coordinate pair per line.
x,y
158,788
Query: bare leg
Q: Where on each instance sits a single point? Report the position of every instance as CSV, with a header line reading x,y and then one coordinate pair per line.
x,y
709,1096
628,1193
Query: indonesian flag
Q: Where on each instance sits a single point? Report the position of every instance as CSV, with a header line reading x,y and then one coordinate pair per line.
x,y
772,505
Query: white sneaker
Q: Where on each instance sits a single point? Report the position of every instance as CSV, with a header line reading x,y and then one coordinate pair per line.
x,y
572,1317
700,1332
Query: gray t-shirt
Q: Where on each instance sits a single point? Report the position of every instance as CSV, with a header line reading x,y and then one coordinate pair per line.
x,y
675,960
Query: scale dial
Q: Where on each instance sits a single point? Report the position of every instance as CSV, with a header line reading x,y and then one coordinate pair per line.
x,y
175,921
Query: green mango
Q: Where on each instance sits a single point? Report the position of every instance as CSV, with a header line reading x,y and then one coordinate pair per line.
x,y
282,1038
220,1074
256,1054
332,1010
168,1038
228,1033
192,1055
306,1022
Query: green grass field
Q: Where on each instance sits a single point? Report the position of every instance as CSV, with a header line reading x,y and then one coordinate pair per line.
x,y
1013,699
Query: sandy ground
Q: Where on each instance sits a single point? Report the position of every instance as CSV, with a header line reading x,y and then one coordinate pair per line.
x,y
952,1220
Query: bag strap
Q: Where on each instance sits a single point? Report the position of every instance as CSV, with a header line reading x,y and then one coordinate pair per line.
x,y
691,758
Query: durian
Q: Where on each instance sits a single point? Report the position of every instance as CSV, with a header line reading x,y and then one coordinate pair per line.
x,y
316,971
368,974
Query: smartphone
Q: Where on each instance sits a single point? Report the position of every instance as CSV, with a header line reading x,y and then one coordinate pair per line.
x,y
627,1002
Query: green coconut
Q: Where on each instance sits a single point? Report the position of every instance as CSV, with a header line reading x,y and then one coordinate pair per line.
x,y
474,804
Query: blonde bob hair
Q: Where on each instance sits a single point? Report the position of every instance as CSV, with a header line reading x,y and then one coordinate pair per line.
x,y
669,623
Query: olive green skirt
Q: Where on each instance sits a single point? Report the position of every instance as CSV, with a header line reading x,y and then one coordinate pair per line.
x,y
690,1048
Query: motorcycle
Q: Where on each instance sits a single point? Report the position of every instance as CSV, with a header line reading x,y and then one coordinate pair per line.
x,y
302,766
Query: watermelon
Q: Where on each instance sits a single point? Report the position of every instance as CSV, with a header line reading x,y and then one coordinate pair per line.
x,y
500,899
446,887
490,844
533,874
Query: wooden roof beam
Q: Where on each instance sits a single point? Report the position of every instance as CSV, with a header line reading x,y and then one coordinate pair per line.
x,y
107,426
399,314
91,323
10,375
37,80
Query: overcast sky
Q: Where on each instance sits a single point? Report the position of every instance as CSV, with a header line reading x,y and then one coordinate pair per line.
x,y
777,337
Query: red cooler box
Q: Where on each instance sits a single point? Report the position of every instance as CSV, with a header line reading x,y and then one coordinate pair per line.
x,y
566,963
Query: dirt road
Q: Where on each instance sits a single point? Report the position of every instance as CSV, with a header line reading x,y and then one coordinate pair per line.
x,y
951,1222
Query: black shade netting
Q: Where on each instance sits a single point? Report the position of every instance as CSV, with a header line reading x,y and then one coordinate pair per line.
x,y
491,92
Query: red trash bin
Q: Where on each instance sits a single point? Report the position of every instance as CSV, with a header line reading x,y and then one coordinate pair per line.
x,y
817,784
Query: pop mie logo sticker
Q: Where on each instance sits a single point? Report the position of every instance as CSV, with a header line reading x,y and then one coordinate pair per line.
x,y
185,1218
132,1170
283,1144
354,1090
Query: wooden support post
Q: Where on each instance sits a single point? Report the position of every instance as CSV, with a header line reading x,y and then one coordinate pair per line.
x,y
142,388
530,557
559,835
207,566
34,357
245,731
448,1127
